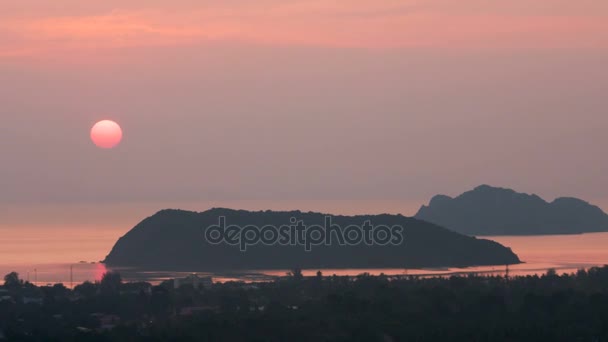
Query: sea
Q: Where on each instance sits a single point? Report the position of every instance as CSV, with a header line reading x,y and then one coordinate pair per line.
x,y
72,255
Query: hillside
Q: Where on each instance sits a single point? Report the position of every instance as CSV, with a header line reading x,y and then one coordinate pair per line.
x,y
174,240
488,210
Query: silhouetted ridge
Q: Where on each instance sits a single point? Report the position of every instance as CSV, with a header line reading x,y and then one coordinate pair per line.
x,y
488,210
174,240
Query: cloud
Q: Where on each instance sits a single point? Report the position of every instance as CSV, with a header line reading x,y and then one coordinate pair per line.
x,y
352,24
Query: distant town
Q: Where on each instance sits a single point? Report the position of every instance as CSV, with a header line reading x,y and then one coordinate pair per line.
x,y
298,308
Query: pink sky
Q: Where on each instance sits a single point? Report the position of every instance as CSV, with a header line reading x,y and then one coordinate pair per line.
x,y
348,104
41,28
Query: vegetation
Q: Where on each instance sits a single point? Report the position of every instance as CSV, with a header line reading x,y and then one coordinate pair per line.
x,y
551,307
175,240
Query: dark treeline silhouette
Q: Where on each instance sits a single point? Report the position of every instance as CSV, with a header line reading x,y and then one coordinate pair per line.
x,y
174,240
488,210
551,307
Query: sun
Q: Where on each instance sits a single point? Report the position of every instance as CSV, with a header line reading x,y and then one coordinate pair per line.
x,y
106,134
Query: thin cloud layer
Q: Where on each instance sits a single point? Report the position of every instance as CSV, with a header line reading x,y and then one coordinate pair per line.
x,y
30,28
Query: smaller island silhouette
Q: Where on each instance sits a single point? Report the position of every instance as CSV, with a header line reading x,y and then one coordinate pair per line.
x,y
488,210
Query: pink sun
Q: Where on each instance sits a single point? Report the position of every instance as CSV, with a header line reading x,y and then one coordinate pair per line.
x,y
106,134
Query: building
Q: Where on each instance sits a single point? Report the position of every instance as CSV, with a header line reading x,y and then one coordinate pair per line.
x,y
106,321
5,296
194,280
136,288
193,310
33,300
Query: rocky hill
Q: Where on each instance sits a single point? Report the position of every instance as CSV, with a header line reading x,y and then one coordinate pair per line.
x,y
175,240
488,210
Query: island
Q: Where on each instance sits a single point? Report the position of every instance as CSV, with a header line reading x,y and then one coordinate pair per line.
x,y
175,240
487,211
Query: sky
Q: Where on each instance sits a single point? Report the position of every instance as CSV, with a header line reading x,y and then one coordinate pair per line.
x,y
345,106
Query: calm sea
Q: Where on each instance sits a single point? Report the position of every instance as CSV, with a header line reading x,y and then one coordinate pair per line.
x,y
71,255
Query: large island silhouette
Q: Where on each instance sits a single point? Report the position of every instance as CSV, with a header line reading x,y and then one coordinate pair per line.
x,y
174,240
488,210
